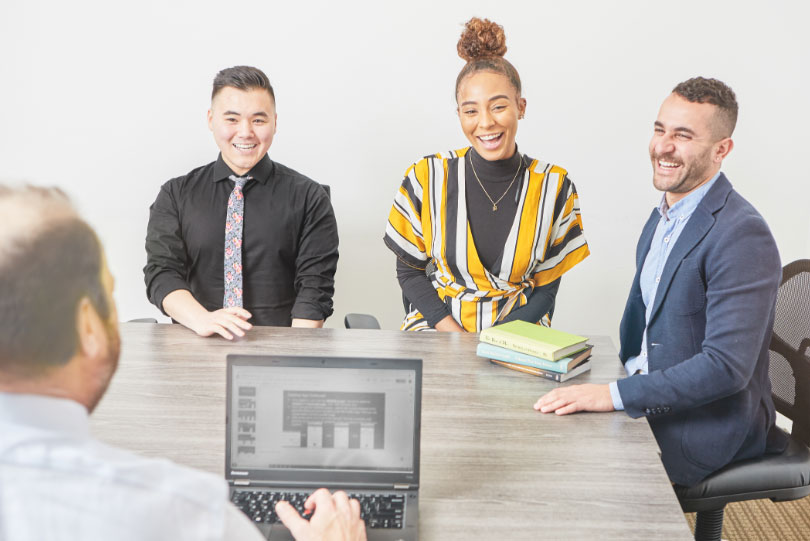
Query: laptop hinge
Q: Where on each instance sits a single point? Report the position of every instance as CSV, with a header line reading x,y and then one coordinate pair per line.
x,y
241,482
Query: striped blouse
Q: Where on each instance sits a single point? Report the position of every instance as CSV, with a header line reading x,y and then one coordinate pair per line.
x,y
428,221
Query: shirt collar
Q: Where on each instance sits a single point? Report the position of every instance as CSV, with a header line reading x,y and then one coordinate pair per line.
x,y
684,208
45,412
261,172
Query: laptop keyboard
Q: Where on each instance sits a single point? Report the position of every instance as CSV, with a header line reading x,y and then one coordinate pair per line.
x,y
377,510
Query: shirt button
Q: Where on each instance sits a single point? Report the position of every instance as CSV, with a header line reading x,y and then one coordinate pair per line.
x,y
666,239
658,279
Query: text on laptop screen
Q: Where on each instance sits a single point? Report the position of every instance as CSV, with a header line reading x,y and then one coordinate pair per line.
x,y
322,418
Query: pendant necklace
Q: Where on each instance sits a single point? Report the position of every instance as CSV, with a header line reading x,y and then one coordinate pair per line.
x,y
494,203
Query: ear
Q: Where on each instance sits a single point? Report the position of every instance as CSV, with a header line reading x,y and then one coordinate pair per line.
x,y
521,107
90,330
722,149
275,123
210,120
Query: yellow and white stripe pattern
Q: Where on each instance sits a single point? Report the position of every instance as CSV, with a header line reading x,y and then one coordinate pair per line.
x,y
428,221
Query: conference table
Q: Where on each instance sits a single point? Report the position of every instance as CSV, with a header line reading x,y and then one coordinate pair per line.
x,y
491,466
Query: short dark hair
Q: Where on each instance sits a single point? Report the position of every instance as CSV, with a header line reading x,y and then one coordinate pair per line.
x,y
45,271
703,90
243,78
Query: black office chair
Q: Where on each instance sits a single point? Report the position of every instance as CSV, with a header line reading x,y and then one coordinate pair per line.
x,y
361,321
779,477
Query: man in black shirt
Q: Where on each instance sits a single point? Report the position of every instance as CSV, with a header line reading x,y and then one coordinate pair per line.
x,y
242,238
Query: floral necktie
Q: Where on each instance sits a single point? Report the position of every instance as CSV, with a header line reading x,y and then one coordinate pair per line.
x,y
233,243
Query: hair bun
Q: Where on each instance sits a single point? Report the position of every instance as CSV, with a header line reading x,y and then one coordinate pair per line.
x,y
481,38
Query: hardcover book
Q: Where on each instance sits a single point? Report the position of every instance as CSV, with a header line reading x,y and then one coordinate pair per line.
x,y
536,340
562,366
554,376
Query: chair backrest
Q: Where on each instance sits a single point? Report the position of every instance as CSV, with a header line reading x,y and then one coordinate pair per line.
x,y
360,321
790,348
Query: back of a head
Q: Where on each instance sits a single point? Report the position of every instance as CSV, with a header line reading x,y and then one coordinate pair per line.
x,y
482,45
49,260
715,92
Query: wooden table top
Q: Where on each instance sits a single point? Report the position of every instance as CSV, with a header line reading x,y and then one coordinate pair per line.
x,y
491,466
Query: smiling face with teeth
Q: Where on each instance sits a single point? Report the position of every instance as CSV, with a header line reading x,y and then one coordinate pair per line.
x,y
243,123
686,150
489,109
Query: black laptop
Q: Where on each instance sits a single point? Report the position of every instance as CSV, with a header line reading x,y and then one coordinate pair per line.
x,y
295,424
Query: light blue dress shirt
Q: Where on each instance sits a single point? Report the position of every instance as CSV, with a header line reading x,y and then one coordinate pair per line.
x,y
57,482
670,226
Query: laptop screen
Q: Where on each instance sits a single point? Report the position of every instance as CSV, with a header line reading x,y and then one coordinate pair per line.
x,y
321,415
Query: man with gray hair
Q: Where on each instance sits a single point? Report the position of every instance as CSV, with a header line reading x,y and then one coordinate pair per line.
x,y
59,348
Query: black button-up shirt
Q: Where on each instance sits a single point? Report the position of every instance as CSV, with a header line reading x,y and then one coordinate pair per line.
x,y
290,242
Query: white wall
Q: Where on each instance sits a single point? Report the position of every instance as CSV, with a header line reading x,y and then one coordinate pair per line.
x,y
109,102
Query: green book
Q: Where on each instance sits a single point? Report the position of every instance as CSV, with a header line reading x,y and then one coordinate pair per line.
x,y
537,340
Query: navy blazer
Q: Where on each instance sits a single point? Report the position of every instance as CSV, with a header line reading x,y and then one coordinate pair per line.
x,y
707,395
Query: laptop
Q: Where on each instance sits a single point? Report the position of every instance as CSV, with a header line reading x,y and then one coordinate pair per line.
x,y
295,424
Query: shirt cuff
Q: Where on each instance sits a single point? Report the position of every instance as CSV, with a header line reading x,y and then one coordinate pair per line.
x,y
164,285
310,310
633,364
618,405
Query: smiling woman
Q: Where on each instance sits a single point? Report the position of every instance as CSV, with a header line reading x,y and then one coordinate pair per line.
x,y
483,234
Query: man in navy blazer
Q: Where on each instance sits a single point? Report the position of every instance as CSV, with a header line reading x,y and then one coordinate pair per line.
x,y
698,320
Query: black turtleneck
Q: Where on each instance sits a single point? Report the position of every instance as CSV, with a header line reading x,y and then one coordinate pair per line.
x,y
490,228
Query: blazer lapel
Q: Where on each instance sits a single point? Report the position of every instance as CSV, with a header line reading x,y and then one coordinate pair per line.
x,y
645,240
643,246
696,228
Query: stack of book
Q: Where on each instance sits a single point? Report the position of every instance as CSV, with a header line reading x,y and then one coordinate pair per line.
x,y
536,350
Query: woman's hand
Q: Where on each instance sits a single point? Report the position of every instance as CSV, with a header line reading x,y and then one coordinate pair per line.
x,y
448,324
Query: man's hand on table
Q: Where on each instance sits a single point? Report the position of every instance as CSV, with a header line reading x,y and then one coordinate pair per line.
x,y
226,322
336,518
587,397
181,306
